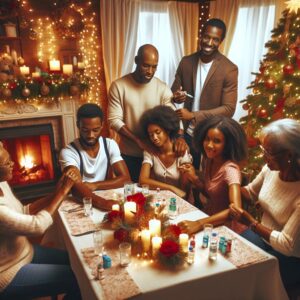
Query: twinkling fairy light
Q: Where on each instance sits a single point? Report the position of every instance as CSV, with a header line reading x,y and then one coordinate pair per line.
x,y
47,44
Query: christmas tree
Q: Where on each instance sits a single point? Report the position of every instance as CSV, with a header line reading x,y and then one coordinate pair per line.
x,y
276,88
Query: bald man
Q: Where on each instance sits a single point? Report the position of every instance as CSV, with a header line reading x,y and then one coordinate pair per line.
x,y
129,97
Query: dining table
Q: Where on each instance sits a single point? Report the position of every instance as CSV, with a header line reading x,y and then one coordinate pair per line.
x,y
247,272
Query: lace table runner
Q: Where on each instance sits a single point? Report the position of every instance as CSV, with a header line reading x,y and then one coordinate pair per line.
x,y
183,206
117,284
78,223
241,254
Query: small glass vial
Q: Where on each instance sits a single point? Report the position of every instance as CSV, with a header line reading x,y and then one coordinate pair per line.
x,y
191,255
213,248
228,246
221,243
172,208
193,241
158,196
156,208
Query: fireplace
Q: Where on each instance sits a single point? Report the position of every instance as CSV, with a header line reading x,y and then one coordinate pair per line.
x,y
32,150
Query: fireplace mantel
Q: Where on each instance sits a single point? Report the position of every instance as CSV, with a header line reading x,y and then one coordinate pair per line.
x,y
16,113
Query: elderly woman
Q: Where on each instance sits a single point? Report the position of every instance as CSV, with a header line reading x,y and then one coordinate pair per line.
x,y
277,191
29,271
160,168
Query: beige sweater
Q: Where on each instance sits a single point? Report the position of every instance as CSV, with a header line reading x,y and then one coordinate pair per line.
x,y
128,100
280,201
15,250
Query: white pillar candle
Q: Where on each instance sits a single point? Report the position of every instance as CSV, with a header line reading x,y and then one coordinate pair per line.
x,y
155,227
54,65
116,207
35,74
156,243
80,65
146,236
184,242
24,70
129,212
68,69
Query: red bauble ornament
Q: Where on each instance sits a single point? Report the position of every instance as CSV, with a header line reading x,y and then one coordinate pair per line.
x,y
262,69
288,69
262,113
246,106
270,84
252,142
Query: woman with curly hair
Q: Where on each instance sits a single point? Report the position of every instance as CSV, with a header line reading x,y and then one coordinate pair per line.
x,y
160,169
223,145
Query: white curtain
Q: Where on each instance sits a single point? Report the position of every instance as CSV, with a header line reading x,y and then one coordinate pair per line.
x,y
127,24
254,20
119,33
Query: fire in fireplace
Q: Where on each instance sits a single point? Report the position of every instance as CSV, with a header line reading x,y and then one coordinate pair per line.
x,y
35,165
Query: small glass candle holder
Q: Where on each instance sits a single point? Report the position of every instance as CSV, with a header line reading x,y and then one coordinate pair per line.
x,y
98,241
125,254
87,205
145,189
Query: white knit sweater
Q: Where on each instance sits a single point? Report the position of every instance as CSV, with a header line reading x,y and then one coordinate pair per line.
x,y
15,250
280,202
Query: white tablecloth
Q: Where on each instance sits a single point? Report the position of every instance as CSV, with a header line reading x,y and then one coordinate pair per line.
x,y
202,280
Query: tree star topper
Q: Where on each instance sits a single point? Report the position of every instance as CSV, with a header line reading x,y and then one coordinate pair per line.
x,y
293,5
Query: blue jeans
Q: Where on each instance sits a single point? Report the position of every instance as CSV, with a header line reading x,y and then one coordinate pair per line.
x,y
48,274
134,165
289,265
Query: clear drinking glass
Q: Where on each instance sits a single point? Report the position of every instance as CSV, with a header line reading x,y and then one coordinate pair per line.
x,y
87,205
125,254
98,241
129,188
145,189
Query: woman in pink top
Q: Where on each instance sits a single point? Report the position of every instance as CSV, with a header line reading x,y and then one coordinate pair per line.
x,y
222,142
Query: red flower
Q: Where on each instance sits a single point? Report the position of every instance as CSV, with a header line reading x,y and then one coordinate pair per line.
x,y
121,235
169,248
140,201
138,198
113,215
173,230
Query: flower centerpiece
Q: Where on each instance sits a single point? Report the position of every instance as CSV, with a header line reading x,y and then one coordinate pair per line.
x,y
171,253
146,226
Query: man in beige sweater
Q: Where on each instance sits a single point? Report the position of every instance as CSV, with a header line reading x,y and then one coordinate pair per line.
x,y
129,97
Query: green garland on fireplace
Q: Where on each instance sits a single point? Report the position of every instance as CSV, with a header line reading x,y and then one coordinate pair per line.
x,y
54,86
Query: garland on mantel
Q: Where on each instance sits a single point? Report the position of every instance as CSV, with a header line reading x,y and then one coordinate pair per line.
x,y
46,86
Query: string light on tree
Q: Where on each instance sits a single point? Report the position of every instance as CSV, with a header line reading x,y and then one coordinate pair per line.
x,y
275,90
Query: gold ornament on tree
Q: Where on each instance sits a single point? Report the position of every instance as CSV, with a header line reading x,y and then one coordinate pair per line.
x,y
45,90
26,91
74,90
6,92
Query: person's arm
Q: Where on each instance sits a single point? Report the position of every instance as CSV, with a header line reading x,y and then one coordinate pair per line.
x,y
35,224
125,131
146,179
81,190
62,189
244,217
121,176
228,98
